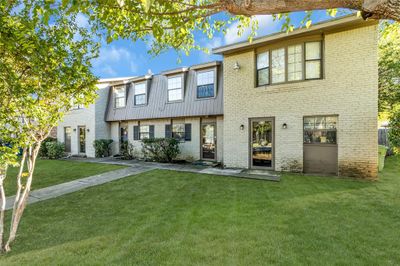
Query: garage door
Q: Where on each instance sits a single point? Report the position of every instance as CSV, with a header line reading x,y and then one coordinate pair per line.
x,y
320,145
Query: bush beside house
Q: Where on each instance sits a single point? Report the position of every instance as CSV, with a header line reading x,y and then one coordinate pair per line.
x,y
55,150
160,149
102,147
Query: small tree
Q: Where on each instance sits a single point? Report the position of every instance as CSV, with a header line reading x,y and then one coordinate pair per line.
x,y
394,130
43,66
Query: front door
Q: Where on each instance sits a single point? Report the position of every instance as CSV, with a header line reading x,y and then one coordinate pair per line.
x,y
82,140
209,141
262,143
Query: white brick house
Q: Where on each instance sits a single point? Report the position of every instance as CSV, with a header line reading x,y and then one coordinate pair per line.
x,y
304,101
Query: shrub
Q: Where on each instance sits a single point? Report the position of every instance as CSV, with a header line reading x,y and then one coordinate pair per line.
x,y
102,147
394,130
127,151
43,148
160,149
55,150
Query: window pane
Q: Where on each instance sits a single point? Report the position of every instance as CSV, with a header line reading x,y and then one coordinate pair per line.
x,y
331,122
313,69
313,50
320,122
263,60
263,77
140,99
309,123
295,62
205,91
278,65
205,78
174,83
140,88
144,129
119,92
144,135
120,102
175,95
178,128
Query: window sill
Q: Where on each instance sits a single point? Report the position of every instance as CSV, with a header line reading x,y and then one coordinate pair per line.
x,y
286,83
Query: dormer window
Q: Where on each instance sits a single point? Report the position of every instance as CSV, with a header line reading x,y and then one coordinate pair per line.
x,y
175,92
140,94
119,97
206,84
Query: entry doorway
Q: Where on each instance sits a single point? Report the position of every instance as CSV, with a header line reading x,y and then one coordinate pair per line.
x,y
209,141
82,139
262,143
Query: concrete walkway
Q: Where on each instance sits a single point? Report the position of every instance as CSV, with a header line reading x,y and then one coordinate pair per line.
x,y
134,167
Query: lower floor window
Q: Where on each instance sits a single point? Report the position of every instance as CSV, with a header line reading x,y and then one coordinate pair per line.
x,y
144,132
178,131
320,129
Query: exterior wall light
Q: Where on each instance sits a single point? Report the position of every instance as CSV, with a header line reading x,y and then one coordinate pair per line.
x,y
241,127
236,66
284,126
88,130
74,129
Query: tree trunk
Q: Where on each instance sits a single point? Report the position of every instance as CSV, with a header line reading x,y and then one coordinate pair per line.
x,y
20,199
376,9
3,174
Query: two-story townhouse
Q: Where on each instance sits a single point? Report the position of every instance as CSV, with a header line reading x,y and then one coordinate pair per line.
x,y
184,103
82,125
304,101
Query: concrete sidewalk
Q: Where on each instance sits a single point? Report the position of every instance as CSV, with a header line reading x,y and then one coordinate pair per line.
x,y
134,167
79,184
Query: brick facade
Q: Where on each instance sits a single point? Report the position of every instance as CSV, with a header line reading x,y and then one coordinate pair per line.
x,y
348,89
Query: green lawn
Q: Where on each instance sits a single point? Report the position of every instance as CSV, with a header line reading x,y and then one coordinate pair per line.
x,y
51,172
175,218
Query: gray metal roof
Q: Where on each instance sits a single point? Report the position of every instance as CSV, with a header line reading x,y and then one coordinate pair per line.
x,y
158,106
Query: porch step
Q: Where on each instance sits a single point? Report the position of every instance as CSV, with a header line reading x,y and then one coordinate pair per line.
x,y
261,174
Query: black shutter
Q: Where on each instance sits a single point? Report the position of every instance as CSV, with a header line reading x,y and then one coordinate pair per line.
x,y
151,130
188,132
168,131
135,132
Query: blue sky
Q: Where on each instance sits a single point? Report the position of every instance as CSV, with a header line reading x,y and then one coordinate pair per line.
x,y
124,58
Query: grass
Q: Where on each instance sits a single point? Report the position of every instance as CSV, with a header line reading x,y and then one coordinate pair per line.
x,y
174,218
52,172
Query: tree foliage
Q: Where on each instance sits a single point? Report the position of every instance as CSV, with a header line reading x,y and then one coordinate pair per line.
x,y
44,63
389,66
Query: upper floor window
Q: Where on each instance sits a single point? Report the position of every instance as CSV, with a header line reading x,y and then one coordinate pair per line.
x,y
320,129
119,97
263,68
301,61
205,84
140,94
175,89
313,60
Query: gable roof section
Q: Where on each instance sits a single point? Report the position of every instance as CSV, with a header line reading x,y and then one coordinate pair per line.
x,y
332,25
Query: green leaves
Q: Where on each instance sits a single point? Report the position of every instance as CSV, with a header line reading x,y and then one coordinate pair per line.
x,y
147,4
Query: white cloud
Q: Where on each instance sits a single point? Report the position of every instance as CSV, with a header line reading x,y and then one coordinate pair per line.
x,y
133,67
266,25
112,54
108,70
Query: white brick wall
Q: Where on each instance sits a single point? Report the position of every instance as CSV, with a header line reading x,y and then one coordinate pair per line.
x,y
349,89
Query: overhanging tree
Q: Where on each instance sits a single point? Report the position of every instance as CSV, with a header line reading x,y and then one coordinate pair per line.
x,y
44,63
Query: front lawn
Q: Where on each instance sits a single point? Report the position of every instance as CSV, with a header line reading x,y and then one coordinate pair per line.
x,y
176,218
52,172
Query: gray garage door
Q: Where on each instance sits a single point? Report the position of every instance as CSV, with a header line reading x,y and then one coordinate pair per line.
x,y
320,145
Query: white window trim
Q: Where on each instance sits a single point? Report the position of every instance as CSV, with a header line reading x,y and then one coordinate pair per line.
x,y
182,76
215,82
134,93
114,98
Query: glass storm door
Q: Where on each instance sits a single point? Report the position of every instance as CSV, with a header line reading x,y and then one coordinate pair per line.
x,y
82,139
262,143
67,139
208,144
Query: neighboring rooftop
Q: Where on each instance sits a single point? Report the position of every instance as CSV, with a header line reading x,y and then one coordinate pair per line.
x,y
332,25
